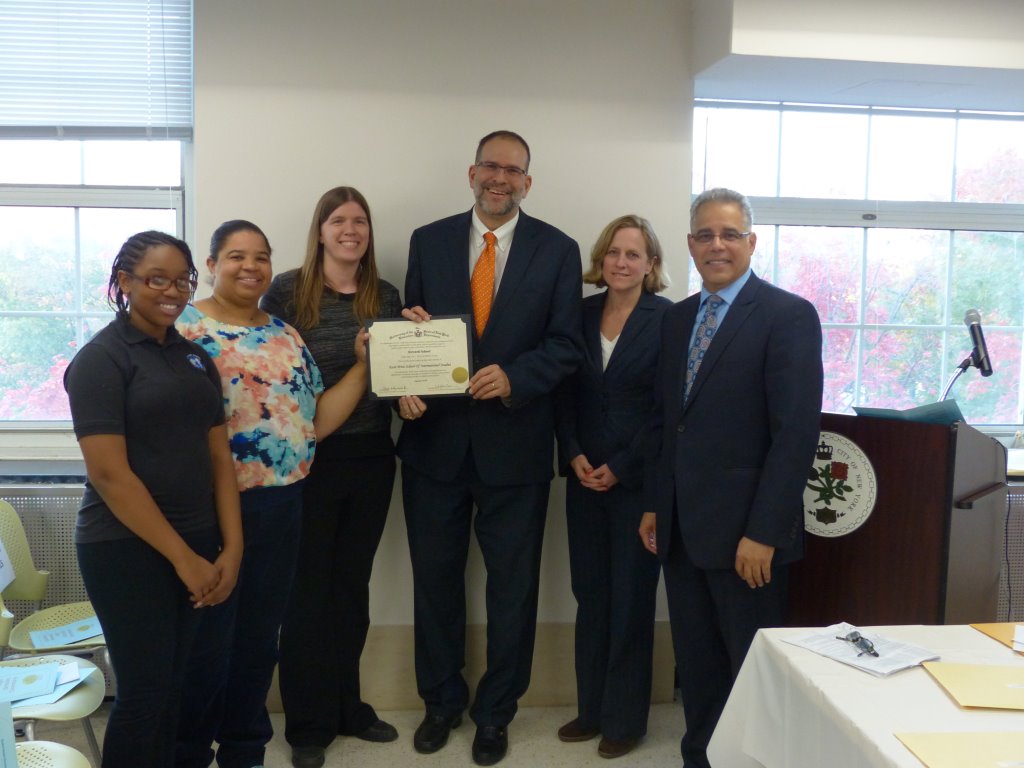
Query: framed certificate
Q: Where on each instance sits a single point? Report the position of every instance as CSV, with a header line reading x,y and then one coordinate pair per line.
x,y
430,358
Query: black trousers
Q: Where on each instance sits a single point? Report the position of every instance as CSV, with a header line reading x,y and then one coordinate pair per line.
x,y
614,580
509,525
224,698
714,617
345,505
150,625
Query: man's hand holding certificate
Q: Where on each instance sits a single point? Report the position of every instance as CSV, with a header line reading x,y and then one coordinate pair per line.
x,y
425,358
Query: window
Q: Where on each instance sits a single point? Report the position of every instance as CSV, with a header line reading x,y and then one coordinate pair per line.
x,y
95,129
893,223
57,243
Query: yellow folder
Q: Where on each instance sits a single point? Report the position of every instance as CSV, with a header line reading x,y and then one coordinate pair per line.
x,y
993,686
1002,631
966,750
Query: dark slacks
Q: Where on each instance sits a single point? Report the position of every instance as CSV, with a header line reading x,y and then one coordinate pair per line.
x,y
344,508
615,581
714,617
149,624
509,527
232,662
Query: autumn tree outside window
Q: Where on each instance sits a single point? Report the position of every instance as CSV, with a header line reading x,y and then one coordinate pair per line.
x,y
893,223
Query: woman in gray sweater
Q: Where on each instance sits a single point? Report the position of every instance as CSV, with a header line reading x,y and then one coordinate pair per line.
x,y
348,491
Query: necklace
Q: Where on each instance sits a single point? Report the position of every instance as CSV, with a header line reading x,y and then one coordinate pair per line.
x,y
232,315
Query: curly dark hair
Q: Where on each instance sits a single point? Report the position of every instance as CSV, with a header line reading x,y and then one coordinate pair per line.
x,y
132,252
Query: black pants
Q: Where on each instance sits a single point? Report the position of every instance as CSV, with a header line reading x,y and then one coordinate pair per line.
x,y
509,527
614,580
714,617
149,624
224,698
344,508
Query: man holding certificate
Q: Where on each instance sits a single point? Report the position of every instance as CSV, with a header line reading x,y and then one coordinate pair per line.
x,y
519,280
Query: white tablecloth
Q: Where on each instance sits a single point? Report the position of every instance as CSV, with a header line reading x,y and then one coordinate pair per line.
x,y
791,708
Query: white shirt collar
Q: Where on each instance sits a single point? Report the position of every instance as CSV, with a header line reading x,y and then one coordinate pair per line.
x,y
503,233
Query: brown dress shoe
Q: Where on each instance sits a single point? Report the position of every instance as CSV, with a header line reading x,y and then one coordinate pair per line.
x,y
611,748
573,731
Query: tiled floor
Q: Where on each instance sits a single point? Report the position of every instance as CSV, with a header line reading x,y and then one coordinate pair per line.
x,y
532,743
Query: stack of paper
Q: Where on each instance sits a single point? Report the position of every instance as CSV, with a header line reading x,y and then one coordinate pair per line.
x,y
36,684
1015,462
892,656
18,683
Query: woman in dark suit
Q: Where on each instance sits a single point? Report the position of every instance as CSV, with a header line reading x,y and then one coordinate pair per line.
x,y
604,407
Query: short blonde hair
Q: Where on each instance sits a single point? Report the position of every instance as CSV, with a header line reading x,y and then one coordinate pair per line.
x,y
656,281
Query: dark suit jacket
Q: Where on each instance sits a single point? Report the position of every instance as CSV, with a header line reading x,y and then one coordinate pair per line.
x,y
733,462
603,412
533,334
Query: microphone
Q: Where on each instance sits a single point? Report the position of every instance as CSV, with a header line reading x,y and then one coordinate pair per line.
x,y
980,354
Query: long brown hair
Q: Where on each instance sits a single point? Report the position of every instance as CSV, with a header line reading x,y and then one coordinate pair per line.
x,y
309,285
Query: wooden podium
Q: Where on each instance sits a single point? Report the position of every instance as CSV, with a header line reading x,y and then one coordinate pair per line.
x,y
931,550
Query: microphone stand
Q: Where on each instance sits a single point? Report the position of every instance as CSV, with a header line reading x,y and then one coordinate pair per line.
x,y
967,363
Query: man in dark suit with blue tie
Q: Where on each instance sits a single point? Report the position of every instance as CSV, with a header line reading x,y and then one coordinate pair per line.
x,y
737,419
520,280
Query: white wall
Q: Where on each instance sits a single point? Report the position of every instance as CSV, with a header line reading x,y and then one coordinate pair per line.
x,y
982,33
392,96
932,54
711,34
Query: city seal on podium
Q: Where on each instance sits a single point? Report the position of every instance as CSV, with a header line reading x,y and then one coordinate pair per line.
x,y
841,488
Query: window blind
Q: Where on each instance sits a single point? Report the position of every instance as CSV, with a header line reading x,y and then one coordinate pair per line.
x,y
95,68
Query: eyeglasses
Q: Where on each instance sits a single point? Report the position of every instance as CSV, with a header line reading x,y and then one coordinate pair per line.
x,y
512,171
861,643
729,236
161,283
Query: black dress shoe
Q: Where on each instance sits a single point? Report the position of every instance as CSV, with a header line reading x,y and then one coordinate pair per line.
x,y
489,745
432,733
307,757
575,731
612,748
379,732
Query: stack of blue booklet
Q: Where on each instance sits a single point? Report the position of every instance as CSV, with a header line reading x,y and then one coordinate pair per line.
x,y
37,684
45,682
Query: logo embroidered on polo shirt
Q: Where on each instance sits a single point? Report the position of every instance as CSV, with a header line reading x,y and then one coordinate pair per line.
x,y
196,361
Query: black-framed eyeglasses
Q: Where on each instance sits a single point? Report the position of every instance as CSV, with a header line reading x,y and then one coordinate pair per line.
x,y
729,236
162,283
512,171
861,643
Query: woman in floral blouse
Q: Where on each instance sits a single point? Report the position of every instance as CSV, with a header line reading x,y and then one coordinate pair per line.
x,y
276,408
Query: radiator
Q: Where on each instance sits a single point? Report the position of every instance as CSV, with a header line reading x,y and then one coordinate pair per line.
x,y
48,511
1011,584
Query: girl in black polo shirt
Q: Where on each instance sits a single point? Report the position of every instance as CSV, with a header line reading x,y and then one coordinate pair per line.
x,y
158,533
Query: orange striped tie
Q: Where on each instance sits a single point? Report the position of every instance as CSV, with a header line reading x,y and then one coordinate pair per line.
x,y
481,284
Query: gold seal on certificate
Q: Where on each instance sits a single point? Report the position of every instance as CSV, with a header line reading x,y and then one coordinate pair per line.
x,y
429,358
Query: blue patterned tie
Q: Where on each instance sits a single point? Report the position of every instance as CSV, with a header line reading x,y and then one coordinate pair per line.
x,y
701,341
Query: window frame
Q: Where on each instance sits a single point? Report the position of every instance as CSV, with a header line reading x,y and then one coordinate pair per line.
x,y
49,436
945,216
